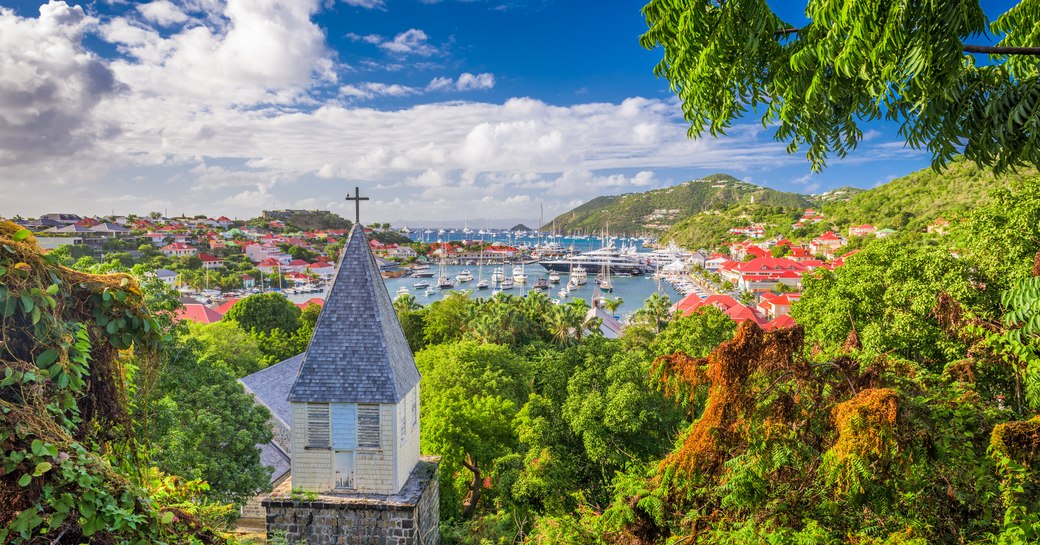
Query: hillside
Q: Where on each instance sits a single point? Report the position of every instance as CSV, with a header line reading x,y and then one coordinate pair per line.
x,y
913,201
660,209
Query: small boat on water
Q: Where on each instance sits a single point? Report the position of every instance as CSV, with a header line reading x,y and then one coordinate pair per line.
x,y
482,285
554,277
422,284
445,283
422,274
498,275
541,284
429,292
579,275
403,290
519,276
507,284
464,276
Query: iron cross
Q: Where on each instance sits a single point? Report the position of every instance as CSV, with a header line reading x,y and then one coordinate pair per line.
x,y
357,198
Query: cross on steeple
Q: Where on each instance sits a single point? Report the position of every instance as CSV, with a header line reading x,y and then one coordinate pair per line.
x,y
357,198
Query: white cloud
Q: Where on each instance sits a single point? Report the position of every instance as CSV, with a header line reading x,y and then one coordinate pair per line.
x,y
49,85
410,42
368,4
162,12
372,89
465,82
374,39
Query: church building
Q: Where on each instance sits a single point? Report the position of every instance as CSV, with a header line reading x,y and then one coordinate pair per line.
x,y
352,419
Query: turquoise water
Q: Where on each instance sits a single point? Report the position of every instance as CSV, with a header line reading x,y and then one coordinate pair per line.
x,y
633,290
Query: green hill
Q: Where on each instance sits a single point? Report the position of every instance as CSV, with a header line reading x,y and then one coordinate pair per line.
x,y
660,209
915,200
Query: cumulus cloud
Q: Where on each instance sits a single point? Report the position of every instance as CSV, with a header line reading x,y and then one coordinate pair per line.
x,y
372,89
465,82
368,4
49,85
162,12
410,42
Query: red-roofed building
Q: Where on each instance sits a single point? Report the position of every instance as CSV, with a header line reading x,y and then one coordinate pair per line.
x,y
197,312
323,269
178,249
247,281
87,222
762,273
826,244
226,305
940,226
157,239
728,305
295,266
312,301
862,230
211,261
270,265
783,322
773,305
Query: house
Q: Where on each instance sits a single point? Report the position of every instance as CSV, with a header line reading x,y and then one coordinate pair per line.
x,y
167,276
775,305
195,311
178,249
110,230
862,230
296,266
270,265
401,252
248,282
211,261
64,219
763,273
728,305
323,269
883,233
157,239
826,243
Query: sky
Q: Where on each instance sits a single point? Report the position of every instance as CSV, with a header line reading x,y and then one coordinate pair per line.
x,y
441,111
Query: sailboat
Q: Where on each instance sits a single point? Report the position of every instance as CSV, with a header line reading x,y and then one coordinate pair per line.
x,y
604,276
443,281
481,283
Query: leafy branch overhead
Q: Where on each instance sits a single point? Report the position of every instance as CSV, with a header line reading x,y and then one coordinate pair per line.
x,y
856,61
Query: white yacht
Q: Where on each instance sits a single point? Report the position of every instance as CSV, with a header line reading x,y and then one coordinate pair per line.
x,y
519,276
464,276
498,275
507,284
554,277
579,275
403,290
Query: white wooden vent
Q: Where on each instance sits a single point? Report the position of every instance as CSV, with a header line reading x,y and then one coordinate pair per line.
x,y
415,408
368,426
318,425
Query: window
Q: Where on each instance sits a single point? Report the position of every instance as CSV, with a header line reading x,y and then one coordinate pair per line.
x,y
415,408
318,425
368,426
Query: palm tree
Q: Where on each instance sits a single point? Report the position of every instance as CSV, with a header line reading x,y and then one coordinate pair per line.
x,y
613,304
656,311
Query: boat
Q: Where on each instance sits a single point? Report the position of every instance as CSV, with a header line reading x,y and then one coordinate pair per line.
x,y
464,276
618,261
424,273
579,275
554,277
564,293
519,276
422,284
403,290
429,292
498,275
541,284
445,283
506,284
482,285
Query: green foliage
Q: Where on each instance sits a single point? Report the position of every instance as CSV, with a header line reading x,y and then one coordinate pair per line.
x,y
851,63
224,343
660,208
887,294
265,312
203,425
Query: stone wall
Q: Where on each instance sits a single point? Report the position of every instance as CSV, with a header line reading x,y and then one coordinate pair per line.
x,y
409,518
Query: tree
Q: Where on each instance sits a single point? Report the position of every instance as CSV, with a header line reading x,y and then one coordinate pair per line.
x,y
265,312
904,61
470,394
655,311
203,425
225,343
613,304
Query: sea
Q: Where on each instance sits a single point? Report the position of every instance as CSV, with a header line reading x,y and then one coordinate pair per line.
x,y
633,290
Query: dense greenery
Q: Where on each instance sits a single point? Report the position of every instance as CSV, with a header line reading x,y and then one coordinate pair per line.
x,y
304,220
657,209
909,62
915,200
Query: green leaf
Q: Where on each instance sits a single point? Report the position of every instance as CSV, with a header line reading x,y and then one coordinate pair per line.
x,y
52,289
27,303
37,447
25,480
167,517
20,235
41,468
47,358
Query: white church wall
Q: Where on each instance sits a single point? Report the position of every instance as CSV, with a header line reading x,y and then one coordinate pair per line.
x,y
312,468
408,448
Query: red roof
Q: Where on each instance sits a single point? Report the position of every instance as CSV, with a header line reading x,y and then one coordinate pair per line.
x,y
270,262
198,312
760,264
783,322
226,305
829,235
298,263
178,246
206,258
223,218
312,301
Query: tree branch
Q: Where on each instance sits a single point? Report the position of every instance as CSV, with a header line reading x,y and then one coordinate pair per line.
x,y
982,49
995,50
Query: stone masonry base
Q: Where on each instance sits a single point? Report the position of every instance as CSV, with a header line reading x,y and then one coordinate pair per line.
x,y
411,517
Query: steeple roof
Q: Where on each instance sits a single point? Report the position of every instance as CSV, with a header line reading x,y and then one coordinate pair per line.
x,y
358,353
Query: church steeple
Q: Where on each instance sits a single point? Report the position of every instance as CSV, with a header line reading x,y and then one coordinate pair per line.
x,y
355,401
358,353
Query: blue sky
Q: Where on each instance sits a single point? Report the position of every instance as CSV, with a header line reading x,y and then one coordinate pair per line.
x,y
440,110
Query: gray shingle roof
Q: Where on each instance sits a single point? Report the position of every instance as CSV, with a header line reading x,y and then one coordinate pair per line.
x,y
271,386
358,353
276,459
